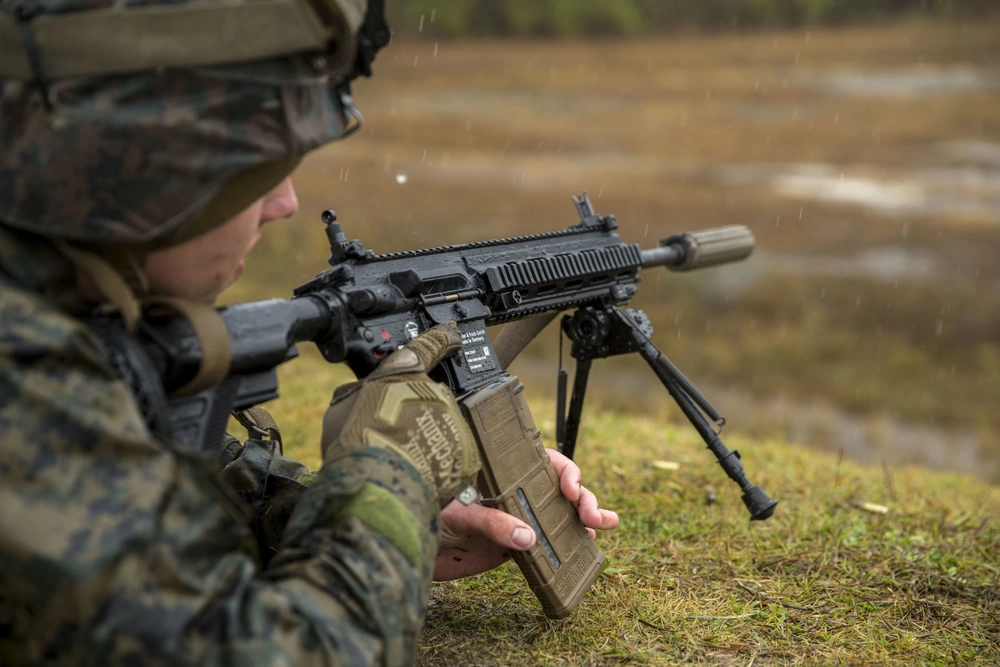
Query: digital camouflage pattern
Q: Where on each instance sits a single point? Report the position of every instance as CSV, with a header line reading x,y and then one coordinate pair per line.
x,y
116,549
398,407
130,158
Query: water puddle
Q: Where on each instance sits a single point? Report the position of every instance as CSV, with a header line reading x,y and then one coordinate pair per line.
x,y
884,264
972,151
969,191
964,191
911,82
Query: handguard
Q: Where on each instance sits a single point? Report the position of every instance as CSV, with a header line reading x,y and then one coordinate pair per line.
x,y
518,478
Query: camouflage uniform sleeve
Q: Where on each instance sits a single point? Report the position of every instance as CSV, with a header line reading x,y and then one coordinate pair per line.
x,y
268,482
116,549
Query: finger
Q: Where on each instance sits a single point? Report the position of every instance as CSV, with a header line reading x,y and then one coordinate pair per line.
x,y
592,515
592,533
569,475
422,353
460,522
473,556
609,520
587,508
437,343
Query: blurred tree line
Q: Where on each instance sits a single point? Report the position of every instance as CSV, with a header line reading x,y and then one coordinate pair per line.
x,y
572,18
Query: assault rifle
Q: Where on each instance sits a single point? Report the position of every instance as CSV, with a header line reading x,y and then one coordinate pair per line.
x,y
367,305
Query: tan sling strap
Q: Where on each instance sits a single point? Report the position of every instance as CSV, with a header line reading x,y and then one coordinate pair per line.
x,y
194,34
213,338
108,282
258,421
515,336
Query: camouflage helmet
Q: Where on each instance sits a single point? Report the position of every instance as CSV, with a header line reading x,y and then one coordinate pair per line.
x,y
141,123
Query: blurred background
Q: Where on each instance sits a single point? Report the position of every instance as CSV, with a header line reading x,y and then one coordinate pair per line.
x,y
858,139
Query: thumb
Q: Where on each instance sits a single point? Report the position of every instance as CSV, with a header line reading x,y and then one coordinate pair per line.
x,y
459,522
436,343
423,352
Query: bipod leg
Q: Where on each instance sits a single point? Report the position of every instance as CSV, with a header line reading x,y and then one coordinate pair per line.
x,y
572,428
757,501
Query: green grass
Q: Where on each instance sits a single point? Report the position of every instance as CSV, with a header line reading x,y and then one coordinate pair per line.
x,y
821,582
824,581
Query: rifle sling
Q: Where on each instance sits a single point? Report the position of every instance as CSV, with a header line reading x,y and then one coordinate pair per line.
x,y
515,336
213,339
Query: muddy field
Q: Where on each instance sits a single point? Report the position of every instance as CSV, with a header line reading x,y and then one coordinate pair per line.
x,y
866,161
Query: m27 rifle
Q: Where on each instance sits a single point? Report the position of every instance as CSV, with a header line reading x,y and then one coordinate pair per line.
x,y
367,305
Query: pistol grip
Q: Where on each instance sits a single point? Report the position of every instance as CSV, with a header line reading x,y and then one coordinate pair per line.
x,y
518,478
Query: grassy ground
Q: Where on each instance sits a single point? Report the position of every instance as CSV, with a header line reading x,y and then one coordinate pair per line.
x,y
824,581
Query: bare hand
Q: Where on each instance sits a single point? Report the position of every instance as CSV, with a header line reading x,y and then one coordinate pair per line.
x,y
475,539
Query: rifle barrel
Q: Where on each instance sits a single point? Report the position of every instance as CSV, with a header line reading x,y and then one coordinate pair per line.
x,y
697,250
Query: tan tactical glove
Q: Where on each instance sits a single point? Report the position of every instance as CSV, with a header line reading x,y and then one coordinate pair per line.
x,y
399,408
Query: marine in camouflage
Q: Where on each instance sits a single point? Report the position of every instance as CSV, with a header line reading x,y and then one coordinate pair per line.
x,y
117,548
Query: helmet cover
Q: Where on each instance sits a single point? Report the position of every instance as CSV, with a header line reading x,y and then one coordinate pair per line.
x,y
128,159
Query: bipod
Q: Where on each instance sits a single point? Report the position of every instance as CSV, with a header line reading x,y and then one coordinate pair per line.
x,y
598,333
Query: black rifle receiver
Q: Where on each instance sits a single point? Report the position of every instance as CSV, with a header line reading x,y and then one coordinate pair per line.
x,y
367,305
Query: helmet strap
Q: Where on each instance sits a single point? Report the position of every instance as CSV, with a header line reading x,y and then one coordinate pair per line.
x,y
213,339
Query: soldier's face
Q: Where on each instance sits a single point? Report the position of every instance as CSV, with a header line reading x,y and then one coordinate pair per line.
x,y
203,267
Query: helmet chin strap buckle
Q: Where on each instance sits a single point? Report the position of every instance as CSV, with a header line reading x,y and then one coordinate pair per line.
x,y
352,111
